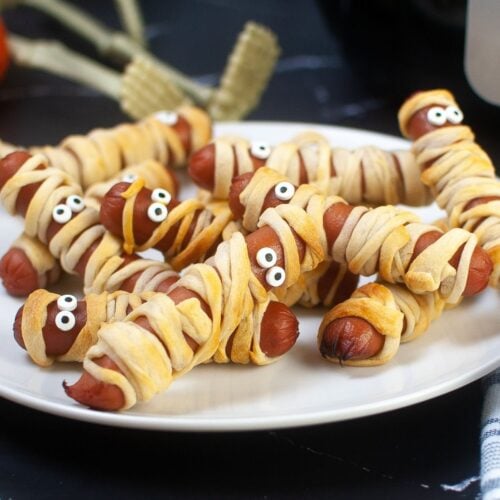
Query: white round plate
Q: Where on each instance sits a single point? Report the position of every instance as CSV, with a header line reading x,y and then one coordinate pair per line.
x,y
301,388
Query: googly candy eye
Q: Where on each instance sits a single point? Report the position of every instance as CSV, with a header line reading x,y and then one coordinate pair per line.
x,y
454,115
75,203
65,321
62,213
157,212
129,178
284,191
260,150
67,302
275,276
167,117
161,196
436,116
266,257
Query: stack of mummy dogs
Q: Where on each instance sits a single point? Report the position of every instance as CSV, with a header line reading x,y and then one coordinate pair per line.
x,y
367,328
458,172
367,175
92,253
130,364
387,240
167,137
128,213
214,311
29,265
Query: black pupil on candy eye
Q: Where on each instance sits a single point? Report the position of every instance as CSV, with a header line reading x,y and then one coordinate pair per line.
x,y
65,319
283,189
158,211
277,276
269,257
68,299
77,201
60,211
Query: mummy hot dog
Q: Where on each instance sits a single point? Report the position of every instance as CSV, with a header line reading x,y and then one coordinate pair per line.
x,y
167,137
459,173
367,175
367,328
28,264
55,327
384,239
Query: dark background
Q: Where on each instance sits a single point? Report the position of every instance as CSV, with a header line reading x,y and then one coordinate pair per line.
x,y
345,63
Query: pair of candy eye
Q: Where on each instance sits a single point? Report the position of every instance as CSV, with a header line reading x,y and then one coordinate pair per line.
x,y
65,319
167,117
63,212
158,211
260,150
266,258
439,116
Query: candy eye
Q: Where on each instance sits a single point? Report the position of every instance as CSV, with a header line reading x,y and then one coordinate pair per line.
x,y
62,213
284,191
167,117
157,212
266,257
436,116
129,178
454,115
65,320
75,203
67,302
260,150
275,276
161,196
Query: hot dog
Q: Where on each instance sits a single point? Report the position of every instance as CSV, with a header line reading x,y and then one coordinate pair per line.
x,y
251,194
366,175
28,265
367,328
456,169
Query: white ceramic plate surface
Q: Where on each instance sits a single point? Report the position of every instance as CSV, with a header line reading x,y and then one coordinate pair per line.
x,y
300,389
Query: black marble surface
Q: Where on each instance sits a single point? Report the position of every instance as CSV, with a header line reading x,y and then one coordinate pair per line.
x,y
344,63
